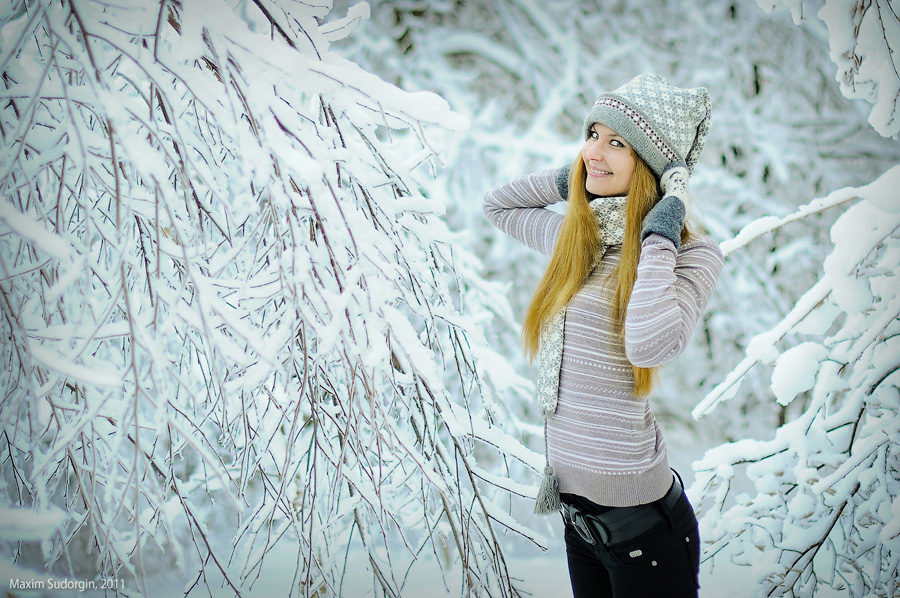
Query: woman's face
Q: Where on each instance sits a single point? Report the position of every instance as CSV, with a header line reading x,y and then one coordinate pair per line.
x,y
609,162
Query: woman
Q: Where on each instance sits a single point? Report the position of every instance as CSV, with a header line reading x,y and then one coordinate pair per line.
x,y
626,284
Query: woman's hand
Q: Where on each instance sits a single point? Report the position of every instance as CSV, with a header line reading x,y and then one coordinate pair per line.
x,y
666,218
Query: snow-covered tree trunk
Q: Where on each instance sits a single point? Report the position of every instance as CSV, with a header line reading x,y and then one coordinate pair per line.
x,y
231,318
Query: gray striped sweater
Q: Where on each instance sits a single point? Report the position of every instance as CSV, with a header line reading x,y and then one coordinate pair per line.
x,y
603,442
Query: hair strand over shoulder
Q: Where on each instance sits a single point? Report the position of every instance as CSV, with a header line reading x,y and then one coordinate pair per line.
x,y
576,248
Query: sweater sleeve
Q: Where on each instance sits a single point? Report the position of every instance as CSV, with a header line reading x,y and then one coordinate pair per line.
x,y
670,294
519,208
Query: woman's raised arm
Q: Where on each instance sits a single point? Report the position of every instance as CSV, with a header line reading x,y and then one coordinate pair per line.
x,y
518,208
672,289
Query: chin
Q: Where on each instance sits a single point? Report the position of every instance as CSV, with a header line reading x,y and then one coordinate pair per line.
x,y
605,192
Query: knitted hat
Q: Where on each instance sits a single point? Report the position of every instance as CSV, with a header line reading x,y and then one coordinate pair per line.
x,y
661,122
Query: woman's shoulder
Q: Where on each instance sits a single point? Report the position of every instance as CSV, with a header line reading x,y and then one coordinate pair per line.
x,y
701,242
701,245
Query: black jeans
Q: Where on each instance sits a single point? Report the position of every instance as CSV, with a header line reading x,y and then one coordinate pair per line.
x,y
663,562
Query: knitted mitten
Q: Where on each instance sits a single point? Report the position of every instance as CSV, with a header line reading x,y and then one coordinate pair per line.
x,y
666,218
562,182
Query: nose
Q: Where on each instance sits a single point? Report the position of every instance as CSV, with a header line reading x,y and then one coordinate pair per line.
x,y
593,151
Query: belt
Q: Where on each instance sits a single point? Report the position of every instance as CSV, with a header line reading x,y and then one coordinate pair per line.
x,y
621,524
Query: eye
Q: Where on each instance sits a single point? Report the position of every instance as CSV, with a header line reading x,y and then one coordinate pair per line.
x,y
594,135
617,143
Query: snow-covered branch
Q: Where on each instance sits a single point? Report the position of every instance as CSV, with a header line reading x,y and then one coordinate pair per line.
x,y
235,320
828,484
864,36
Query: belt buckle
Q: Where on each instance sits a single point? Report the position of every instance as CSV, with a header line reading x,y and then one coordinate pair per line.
x,y
601,529
576,519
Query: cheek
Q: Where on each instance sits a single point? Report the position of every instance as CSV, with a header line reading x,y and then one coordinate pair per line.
x,y
627,174
627,167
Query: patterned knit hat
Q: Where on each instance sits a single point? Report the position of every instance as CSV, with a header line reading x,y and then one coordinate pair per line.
x,y
661,122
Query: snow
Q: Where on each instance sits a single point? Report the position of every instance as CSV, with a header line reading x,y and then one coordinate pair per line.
x,y
884,192
862,43
279,312
891,531
97,373
29,524
761,348
36,232
796,370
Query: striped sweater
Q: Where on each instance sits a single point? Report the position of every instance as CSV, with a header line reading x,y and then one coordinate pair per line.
x,y
603,442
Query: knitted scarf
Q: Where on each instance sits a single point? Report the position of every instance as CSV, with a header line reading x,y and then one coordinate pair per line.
x,y
610,213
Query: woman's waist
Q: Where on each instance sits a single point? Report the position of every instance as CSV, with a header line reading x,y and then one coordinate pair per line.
x,y
582,399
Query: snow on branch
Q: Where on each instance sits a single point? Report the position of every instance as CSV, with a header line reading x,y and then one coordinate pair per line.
x,y
828,484
863,36
861,230
232,313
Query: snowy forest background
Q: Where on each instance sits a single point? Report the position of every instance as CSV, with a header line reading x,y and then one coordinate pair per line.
x,y
258,336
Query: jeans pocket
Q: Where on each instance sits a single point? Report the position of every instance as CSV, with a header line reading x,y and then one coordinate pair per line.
x,y
692,546
664,550
637,553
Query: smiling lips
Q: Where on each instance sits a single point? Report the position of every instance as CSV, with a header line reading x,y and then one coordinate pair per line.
x,y
599,172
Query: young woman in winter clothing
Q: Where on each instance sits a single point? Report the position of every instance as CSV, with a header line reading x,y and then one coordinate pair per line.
x,y
627,282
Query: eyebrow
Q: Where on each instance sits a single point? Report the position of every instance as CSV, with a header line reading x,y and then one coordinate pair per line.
x,y
614,134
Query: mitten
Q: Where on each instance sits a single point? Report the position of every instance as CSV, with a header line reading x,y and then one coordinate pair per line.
x,y
562,182
666,218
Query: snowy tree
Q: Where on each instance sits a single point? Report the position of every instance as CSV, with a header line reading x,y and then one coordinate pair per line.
x,y
826,511
231,317
827,507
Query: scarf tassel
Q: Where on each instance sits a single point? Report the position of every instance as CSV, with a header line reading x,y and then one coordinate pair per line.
x,y
547,501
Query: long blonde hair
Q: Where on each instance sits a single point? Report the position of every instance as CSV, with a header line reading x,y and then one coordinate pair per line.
x,y
577,246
